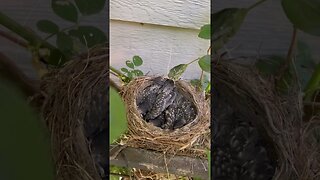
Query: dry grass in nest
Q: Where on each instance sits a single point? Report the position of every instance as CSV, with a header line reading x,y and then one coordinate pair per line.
x,y
67,93
277,116
192,139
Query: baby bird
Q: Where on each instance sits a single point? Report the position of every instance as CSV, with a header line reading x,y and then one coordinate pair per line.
x,y
187,113
148,96
158,121
164,99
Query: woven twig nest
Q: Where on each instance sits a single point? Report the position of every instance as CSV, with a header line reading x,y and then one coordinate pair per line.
x,y
278,119
75,99
192,139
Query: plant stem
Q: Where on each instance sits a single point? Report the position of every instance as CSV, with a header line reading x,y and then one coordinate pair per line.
x,y
193,61
201,79
12,38
119,74
209,50
292,45
23,32
288,60
256,4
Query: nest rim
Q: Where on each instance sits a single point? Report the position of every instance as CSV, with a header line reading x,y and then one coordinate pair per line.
x,y
145,135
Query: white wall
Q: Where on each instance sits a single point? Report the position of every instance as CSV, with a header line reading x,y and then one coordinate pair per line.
x,y
163,33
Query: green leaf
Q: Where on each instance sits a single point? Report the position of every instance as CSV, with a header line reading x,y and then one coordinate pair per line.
x,y
124,70
130,76
65,9
304,14
177,71
137,61
137,72
89,7
113,177
196,83
119,170
118,118
130,64
25,148
89,35
205,63
208,88
225,25
47,26
64,43
205,32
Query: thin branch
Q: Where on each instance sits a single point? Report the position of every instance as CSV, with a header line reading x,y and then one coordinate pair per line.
x,y
193,61
201,79
292,45
24,32
10,71
116,71
209,50
288,60
13,38
256,4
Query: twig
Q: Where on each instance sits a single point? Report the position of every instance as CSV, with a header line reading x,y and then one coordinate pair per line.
x,y
288,60
12,38
193,61
120,74
256,4
23,32
166,165
201,79
209,50
113,84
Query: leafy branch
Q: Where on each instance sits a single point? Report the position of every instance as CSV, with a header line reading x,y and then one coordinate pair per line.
x,y
70,41
130,72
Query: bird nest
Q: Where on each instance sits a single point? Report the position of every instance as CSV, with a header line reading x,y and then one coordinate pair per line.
x,y
278,118
74,100
190,137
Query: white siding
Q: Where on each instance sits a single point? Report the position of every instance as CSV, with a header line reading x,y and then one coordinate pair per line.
x,y
163,33
178,13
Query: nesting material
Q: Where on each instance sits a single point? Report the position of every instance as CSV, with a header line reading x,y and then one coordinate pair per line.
x,y
276,117
151,101
74,106
163,105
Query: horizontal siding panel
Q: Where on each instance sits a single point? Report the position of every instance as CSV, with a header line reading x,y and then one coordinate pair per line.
x,y
178,13
160,47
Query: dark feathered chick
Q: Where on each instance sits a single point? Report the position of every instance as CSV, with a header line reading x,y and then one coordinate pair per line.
x,y
148,96
165,98
185,112
158,121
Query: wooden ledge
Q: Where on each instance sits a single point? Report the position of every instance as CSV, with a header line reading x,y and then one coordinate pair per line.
x,y
156,162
